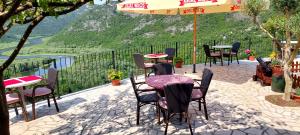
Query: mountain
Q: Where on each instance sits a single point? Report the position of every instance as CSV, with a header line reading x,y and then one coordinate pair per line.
x,y
49,26
104,27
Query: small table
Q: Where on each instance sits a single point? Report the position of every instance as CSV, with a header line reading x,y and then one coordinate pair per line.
x,y
22,82
222,47
159,81
156,56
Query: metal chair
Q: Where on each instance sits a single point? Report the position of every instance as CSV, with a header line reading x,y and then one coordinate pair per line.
x,y
144,95
199,93
45,90
233,52
211,54
169,59
176,101
14,99
163,69
140,63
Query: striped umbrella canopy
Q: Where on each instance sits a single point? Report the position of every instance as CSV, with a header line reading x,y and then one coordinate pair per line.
x,y
182,7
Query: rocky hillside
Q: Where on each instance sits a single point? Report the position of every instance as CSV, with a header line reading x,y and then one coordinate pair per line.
x,y
105,27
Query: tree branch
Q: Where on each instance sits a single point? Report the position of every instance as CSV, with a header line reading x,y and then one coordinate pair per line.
x,y
21,43
4,30
76,6
294,53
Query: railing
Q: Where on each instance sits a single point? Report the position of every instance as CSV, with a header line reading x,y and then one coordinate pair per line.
x,y
90,70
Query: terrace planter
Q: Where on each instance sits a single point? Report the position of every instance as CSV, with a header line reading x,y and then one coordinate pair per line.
x,y
251,58
295,97
179,64
115,82
277,69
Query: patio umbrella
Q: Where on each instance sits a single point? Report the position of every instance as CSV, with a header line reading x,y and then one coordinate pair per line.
x,y
182,7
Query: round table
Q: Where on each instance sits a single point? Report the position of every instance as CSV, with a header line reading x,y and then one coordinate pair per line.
x,y
222,47
156,56
159,81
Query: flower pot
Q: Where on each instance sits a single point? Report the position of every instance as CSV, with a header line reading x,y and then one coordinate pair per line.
x,y
178,65
277,69
295,97
115,82
251,58
278,83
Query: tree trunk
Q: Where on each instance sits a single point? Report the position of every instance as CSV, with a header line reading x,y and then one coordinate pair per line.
x,y
288,82
4,116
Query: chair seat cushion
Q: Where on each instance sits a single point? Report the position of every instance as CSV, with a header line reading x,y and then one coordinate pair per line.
x,y
12,98
148,98
228,54
149,65
214,54
38,92
163,103
196,94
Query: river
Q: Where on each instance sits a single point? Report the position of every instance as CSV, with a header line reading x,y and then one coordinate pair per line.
x,y
62,61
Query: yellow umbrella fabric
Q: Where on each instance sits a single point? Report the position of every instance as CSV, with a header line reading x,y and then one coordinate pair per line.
x,y
182,7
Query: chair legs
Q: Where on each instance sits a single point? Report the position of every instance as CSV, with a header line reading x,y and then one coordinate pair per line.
x,y
48,101
199,101
16,109
237,59
187,119
205,109
138,114
55,103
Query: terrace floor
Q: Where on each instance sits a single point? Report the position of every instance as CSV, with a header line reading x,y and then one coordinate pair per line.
x,y
236,105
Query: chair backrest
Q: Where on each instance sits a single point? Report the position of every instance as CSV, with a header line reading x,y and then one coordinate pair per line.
x,y
133,83
206,79
206,50
52,78
170,52
139,60
236,47
178,96
163,69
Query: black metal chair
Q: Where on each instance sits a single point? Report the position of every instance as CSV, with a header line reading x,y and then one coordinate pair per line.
x,y
140,63
233,52
199,93
163,69
176,101
169,59
210,53
144,95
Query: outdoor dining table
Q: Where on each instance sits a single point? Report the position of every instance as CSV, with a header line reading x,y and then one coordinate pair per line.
x,y
222,47
21,82
155,57
159,81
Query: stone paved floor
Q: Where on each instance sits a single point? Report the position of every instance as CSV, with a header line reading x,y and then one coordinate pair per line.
x,y
236,106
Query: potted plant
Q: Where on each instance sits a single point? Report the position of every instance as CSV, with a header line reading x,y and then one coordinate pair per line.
x,y
178,62
115,76
251,54
296,95
275,64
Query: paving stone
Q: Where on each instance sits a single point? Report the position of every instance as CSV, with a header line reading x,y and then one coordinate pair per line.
x,y
234,102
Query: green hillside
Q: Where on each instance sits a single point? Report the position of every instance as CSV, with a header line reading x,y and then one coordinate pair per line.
x,y
104,27
101,28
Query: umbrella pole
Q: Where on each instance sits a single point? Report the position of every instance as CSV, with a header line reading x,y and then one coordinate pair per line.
x,y
195,36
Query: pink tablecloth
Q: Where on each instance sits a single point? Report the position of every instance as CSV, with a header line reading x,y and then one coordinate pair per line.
x,y
159,81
